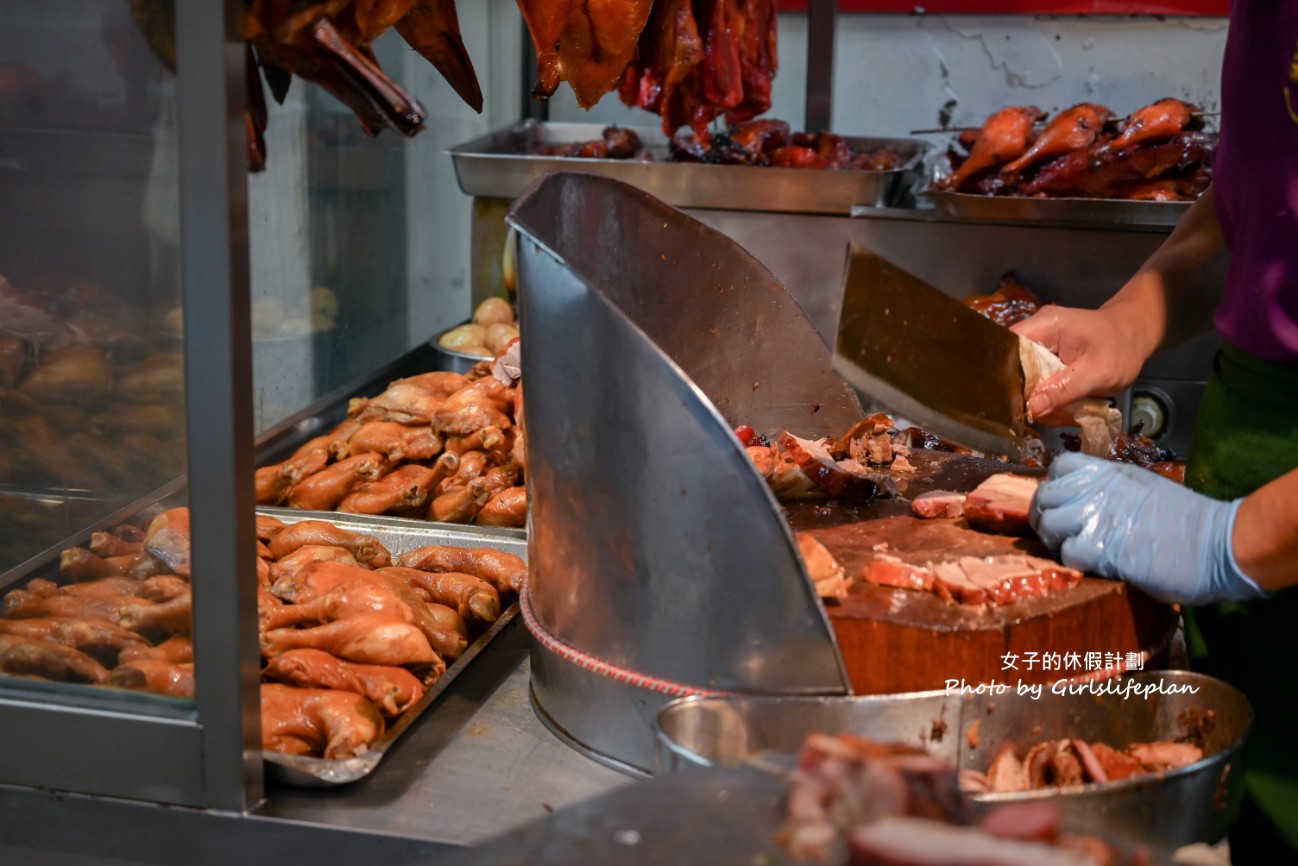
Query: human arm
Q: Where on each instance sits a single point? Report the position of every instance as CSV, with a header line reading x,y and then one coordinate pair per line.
x,y
1105,349
1122,521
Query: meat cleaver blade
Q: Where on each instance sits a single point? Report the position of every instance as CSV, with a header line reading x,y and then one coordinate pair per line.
x,y
928,358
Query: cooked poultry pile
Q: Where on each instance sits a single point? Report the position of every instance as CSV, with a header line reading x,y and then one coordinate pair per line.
x,y
439,446
853,800
752,142
772,142
1069,762
614,143
1159,153
89,403
351,634
327,42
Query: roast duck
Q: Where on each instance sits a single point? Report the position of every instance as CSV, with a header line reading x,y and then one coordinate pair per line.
x,y
351,634
1159,153
440,446
327,42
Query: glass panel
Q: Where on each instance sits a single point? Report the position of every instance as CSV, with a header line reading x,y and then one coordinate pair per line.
x,y
91,369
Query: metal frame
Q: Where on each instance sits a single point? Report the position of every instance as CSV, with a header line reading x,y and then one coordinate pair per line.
x,y
211,95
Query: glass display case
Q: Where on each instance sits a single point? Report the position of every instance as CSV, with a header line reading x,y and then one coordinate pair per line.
x,y
175,289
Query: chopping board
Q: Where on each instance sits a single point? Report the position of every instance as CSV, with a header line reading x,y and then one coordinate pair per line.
x,y
902,640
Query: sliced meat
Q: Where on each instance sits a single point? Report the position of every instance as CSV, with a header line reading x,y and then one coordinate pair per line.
x,y
938,503
1001,503
887,570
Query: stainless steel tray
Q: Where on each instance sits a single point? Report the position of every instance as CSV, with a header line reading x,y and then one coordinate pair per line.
x,y
1105,212
499,165
398,536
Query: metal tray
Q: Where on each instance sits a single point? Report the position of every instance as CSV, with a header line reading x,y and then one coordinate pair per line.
x,y
1099,212
398,536
499,165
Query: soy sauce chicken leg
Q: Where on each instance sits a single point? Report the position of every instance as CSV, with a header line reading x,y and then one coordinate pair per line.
x,y
370,638
337,724
390,688
1003,137
1069,130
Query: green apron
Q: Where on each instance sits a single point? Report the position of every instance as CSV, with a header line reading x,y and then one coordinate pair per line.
x,y
1245,435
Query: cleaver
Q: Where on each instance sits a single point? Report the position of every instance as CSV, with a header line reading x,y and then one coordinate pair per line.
x,y
928,358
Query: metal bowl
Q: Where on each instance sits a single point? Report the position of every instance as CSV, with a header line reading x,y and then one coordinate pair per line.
x,y
730,731
1162,812
1194,803
451,360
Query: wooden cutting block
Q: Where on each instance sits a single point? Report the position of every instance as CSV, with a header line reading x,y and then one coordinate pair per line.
x,y
902,640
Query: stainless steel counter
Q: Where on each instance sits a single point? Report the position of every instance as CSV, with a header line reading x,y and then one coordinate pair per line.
x,y
477,764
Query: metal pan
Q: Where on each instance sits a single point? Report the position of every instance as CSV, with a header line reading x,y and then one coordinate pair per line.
x,y
500,165
397,537
1098,212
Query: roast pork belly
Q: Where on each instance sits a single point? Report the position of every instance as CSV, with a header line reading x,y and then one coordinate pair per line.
x,y
975,580
1001,503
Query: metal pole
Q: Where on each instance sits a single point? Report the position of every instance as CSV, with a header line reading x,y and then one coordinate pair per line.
x,y
211,100
820,63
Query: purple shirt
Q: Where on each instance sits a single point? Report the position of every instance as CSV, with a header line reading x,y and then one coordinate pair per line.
x,y
1255,178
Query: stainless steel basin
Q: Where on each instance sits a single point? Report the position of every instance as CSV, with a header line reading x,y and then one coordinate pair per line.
x,y
1195,803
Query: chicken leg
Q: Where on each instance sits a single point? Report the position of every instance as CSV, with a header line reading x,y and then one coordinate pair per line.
x,y
1003,137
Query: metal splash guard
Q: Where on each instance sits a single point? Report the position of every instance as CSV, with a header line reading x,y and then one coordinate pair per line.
x,y
660,562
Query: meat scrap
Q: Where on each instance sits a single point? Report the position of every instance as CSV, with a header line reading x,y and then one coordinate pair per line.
x,y
848,479
826,574
1070,762
894,804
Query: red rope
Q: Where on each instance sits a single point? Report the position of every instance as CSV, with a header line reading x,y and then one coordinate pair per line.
x,y
599,666
680,690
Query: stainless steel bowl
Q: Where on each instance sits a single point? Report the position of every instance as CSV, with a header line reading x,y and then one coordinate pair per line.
x,y
729,731
449,359
1196,803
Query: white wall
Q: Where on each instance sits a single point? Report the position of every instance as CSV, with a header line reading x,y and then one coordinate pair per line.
x,y
895,73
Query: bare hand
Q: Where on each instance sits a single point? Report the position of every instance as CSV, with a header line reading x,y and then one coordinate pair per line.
x,y
1101,353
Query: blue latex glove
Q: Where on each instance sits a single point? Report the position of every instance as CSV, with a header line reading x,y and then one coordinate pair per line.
x,y
1123,521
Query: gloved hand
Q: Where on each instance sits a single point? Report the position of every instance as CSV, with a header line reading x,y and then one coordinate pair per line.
x,y
1123,521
